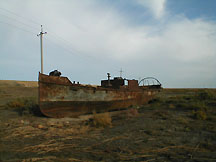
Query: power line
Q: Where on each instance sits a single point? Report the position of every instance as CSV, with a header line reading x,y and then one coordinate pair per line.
x,y
68,50
14,19
6,10
65,48
74,51
17,27
59,38
31,32
68,44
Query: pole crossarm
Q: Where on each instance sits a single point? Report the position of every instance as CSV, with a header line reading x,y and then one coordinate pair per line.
x,y
41,32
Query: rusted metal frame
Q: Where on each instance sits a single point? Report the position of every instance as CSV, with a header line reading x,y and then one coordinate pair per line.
x,y
149,78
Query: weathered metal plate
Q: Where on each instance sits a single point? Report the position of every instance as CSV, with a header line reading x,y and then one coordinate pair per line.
x,y
58,97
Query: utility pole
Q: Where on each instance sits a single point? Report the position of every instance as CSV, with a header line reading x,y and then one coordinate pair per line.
x,y
121,72
41,46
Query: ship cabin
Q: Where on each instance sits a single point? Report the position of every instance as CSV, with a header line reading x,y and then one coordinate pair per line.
x,y
118,82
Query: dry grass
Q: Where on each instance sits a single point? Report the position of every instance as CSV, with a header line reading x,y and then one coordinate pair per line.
x,y
37,159
11,90
171,106
144,138
18,103
22,102
102,119
52,158
54,139
23,131
28,83
182,120
133,112
23,105
199,114
29,131
160,114
48,146
206,95
14,83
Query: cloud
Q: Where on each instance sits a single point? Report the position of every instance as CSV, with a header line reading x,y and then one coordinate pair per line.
x,y
182,39
157,7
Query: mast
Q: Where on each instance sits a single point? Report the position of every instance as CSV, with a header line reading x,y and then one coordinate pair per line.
x,y
41,46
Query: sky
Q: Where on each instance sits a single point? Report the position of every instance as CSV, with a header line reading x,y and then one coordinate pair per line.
x,y
171,40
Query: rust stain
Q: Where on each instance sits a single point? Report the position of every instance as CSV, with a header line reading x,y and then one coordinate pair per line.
x,y
59,97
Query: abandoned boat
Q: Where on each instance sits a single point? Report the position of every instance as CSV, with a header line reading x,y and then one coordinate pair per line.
x,y
59,97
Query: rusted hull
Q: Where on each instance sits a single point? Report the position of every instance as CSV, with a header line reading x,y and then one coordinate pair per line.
x,y
58,97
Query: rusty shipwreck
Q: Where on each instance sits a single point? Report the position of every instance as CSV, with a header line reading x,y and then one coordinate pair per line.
x,y
59,97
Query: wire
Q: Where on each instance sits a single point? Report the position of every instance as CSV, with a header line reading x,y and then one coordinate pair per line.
x,y
17,27
6,10
68,50
19,22
56,36
68,44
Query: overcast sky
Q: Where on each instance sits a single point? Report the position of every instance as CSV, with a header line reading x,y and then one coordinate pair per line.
x,y
172,40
